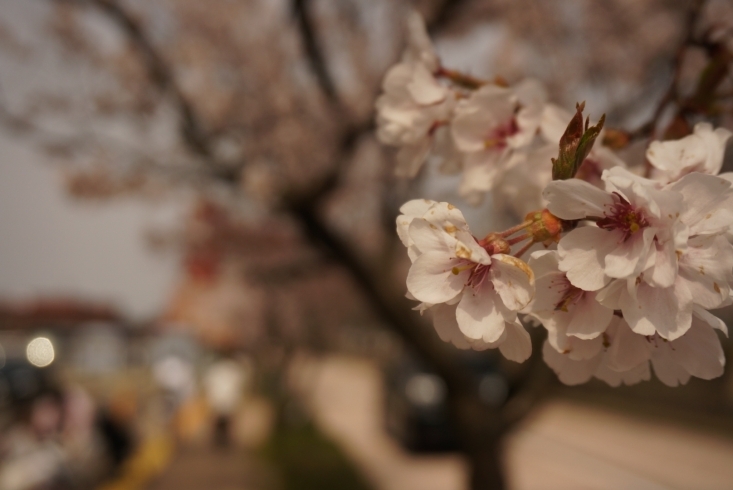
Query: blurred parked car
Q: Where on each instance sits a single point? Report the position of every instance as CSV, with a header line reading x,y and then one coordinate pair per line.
x,y
416,413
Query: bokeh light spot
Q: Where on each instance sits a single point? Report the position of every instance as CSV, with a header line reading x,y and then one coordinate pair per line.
x,y
40,352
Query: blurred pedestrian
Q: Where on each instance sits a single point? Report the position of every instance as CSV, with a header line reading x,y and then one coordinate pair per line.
x,y
223,384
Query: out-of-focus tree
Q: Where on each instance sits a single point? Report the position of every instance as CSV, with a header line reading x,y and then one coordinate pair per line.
x,y
263,111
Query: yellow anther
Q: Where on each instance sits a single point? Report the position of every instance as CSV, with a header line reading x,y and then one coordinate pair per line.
x,y
458,270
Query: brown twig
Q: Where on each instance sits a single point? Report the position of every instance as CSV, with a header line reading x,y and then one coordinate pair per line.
x,y
536,384
446,11
649,128
314,53
159,74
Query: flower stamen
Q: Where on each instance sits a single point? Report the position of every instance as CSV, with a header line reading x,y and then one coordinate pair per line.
x,y
496,139
624,217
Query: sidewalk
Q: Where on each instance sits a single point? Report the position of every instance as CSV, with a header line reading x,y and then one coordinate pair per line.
x,y
564,446
206,467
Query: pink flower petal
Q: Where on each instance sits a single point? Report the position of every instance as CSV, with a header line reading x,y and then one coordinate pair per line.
x,y
582,253
424,88
517,346
576,199
513,280
589,318
699,351
478,315
431,278
628,349
631,377
667,369
568,371
667,311
427,238
709,200
627,257
444,321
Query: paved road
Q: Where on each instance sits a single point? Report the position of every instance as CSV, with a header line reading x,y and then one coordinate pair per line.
x,y
203,468
564,446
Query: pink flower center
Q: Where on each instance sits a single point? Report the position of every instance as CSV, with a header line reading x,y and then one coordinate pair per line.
x,y
624,217
478,275
479,272
496,139
570,296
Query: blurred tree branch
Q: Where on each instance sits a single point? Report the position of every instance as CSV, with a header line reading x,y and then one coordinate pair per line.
x,y
159,72
671,95
314,53
445,12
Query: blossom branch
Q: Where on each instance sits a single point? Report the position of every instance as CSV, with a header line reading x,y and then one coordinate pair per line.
x,y
649,128
159,73
515,229
314,53
446,11
461,79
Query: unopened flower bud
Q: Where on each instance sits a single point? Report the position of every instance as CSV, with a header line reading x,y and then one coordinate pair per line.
x,y
495,244
545,228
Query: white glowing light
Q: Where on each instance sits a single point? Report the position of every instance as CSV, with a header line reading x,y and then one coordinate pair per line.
x,y
40,352
425,389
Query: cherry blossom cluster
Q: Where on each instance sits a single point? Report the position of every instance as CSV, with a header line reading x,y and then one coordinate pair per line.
x,y
630,286
631,264
493,133
474,286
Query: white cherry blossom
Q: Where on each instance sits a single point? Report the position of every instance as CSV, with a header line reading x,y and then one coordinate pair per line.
x,y
452,267
618,357
708,203
490,125
702,151
439,214
414,104
626,357
637,225
651,310
627,291
419,46
704,279
565,310
520,188
515,343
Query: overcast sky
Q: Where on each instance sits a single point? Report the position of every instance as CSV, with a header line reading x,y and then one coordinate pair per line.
x,y
53,245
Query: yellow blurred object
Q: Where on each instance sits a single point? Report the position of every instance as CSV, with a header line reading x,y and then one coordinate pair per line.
x,y
192,420
123,405
149,461
253,422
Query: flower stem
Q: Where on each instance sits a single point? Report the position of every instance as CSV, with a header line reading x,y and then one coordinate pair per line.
x,y
520,238
514,229
462,79
524,249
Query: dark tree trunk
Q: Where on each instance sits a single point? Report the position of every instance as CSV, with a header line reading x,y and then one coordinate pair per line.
x,y
481,434
487,466
480,427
